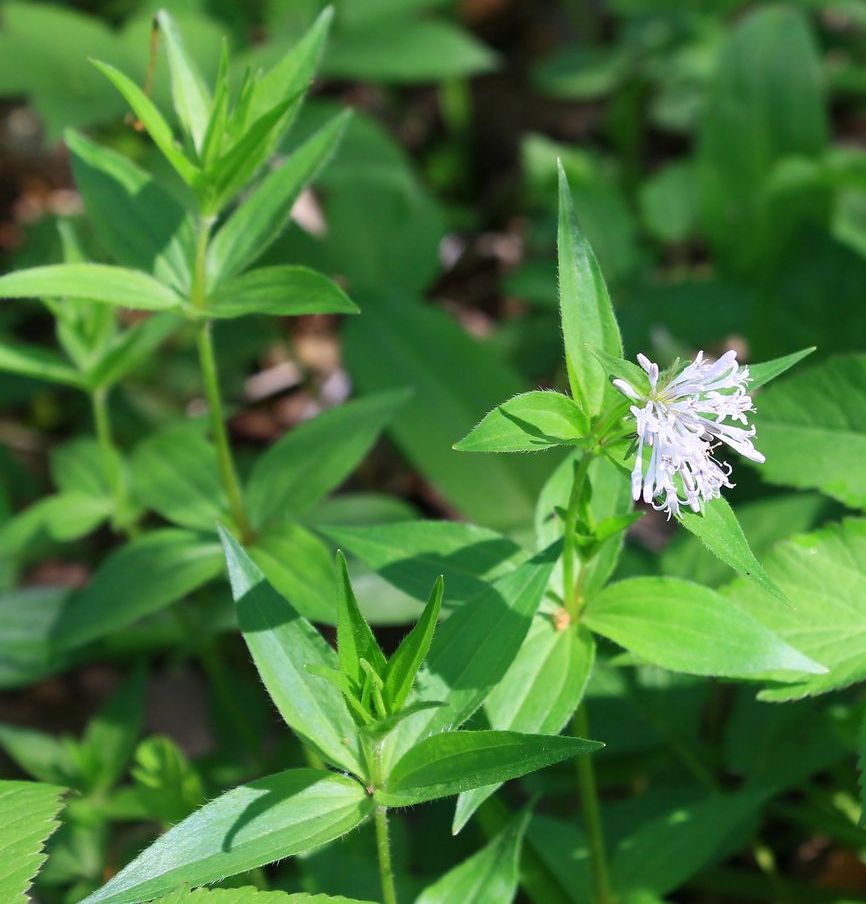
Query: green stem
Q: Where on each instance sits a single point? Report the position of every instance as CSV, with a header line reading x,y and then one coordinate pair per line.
x,y
570,588
383,846
121,519
210,379
591,814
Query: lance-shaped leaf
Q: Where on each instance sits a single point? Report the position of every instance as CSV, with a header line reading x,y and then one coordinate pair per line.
x,y
355,640
262,216
718,529
615,366
528,422
175,473
138,579
250,826
313,458
152,120
685,627
45,757
38,363
456,761
28,816
135,219
472,651
128,349
539,693
281,290
250,895
190,95
762,373
92,282
488,877
407,658
283,645
585,308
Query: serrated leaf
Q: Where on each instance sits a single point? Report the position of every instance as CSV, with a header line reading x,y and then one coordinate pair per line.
x,y
456,761
311,460
283,644
263,215
688,628
585,308
718,529
116,286
283,291
528,422
152,120
824,575
28,814
812,429
405,661
488,877
250,826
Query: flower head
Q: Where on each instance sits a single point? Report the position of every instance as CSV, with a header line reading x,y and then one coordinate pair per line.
x,y
683,419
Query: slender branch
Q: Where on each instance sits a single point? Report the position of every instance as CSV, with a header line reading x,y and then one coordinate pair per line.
x,y
591,814
570,595
210,379
383,846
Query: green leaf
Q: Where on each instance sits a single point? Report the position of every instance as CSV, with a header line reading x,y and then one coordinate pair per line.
x,y
620,367
539,693
718,529
48,758
585,308
138,579
300,567
812,429
411,555
152,120
665,852
250,895
400,343
403,50
472,650
282,291
688,628
283,645
311,460
135,219
404,663
262,216
762,373
77,466
91,282
175,473
250,826
824,575
355,640
27,618
127,350
192,100
528,422
38,363
456,761
765,522
28,816
488,877
67,516
111,736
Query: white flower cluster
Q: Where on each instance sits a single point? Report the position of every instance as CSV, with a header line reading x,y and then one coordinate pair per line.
x,y
682,423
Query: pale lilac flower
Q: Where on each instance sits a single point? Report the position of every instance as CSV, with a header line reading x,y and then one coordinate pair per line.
x,y
682,420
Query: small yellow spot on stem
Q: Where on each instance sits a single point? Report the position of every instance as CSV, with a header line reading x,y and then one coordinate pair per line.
x,y
561,619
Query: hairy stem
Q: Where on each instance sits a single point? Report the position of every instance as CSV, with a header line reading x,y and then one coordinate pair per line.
x,y
591,810
383,846
570,588
210,379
